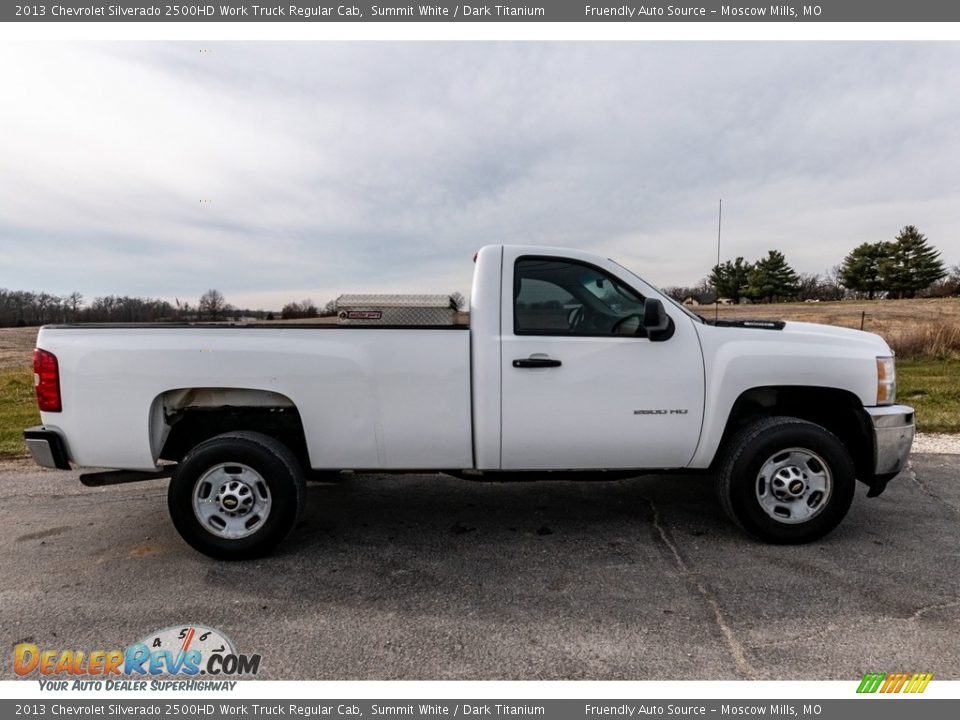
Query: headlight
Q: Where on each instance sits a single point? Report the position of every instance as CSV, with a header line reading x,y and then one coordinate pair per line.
x,y
886,381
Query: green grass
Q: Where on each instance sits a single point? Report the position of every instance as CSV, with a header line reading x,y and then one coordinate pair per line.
x,y
18,410
931,386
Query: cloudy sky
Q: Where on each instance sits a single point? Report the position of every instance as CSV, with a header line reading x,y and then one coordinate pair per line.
x,y
279,171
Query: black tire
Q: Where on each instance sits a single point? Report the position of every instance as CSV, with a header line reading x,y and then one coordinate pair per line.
x,y
740,485
277,468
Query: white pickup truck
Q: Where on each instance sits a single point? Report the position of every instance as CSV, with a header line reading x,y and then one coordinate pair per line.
x,y
572,367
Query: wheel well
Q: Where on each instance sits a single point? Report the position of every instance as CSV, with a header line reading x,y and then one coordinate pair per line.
x,y
839,411
184,418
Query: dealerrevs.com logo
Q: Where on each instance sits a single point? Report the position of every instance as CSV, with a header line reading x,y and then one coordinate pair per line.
x,y
182,651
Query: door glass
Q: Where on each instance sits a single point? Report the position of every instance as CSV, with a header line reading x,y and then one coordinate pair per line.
x,y
560,297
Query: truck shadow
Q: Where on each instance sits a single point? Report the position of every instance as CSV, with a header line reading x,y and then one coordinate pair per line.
x,y
432,509
407,537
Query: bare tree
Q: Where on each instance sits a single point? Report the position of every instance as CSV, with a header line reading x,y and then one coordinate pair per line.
x,y
43,303
309,309
73,301
56,306
212,304
299,310
330,309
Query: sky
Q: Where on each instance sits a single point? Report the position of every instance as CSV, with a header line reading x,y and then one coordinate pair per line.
x,y
281,171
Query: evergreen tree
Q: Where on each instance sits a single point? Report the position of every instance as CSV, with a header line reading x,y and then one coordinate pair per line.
x,y
860,270
911,264
730,279
771,278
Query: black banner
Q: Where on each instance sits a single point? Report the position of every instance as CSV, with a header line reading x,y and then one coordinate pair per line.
x,y
212,708
447,11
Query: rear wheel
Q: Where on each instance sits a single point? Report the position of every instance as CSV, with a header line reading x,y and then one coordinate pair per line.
x,y
236,496
786,480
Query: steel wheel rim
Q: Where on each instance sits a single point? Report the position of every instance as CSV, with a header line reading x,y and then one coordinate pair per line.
x,y
231,500
794,485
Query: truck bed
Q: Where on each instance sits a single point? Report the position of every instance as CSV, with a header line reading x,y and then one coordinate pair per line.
x,y
368,397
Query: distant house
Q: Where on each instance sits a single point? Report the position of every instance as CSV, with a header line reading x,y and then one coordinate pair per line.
x,y
705,298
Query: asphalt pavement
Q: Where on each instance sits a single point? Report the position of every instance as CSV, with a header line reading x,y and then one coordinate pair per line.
x,y
429,577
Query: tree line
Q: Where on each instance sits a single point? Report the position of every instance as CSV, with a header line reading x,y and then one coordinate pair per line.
x,y
20,308
906,267
24,307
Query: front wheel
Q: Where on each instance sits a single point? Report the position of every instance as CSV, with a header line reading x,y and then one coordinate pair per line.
x,y
237,495
786,480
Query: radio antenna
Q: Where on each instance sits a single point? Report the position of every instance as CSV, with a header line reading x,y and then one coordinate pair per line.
x,y
716,299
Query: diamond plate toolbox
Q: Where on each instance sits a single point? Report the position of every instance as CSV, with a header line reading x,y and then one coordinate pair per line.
x,y
414,310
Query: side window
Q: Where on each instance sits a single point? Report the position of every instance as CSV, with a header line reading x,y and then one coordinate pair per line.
x,y
542,306
561,297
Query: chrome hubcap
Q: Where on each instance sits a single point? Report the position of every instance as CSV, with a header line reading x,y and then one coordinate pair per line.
x,y
231,500
794,485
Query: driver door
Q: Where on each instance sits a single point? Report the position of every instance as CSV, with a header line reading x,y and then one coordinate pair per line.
x,y
575,395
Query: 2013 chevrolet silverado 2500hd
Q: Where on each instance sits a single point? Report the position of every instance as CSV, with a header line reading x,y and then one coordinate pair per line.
x,y
571,365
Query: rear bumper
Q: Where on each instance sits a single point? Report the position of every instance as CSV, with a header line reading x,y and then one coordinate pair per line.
x,y
893,428
47,448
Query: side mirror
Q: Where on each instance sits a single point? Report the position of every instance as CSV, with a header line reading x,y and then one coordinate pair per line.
x,y
655,318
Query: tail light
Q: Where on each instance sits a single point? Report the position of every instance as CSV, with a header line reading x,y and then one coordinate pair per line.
x,y
46,381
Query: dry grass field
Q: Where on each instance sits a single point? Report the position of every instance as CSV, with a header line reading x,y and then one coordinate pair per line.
x,y
16,347
913,328
924,333
17,403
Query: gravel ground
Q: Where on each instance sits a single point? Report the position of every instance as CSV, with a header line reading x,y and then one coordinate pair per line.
x,y
936,444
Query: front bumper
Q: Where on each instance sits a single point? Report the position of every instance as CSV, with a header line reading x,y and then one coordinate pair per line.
x,y
893,428
47,448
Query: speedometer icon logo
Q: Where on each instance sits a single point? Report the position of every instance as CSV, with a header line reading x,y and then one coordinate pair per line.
x,y
184,638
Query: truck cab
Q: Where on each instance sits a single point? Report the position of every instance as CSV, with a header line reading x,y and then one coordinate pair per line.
x,y
586,380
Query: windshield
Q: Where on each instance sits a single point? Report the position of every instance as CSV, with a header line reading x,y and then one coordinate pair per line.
x,y
673,302
618,299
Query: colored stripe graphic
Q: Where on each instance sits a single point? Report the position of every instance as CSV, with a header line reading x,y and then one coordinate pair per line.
x,y
894,682
871,682
889,682
923,679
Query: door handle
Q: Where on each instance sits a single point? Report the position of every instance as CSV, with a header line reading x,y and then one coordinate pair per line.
x,y
536,362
